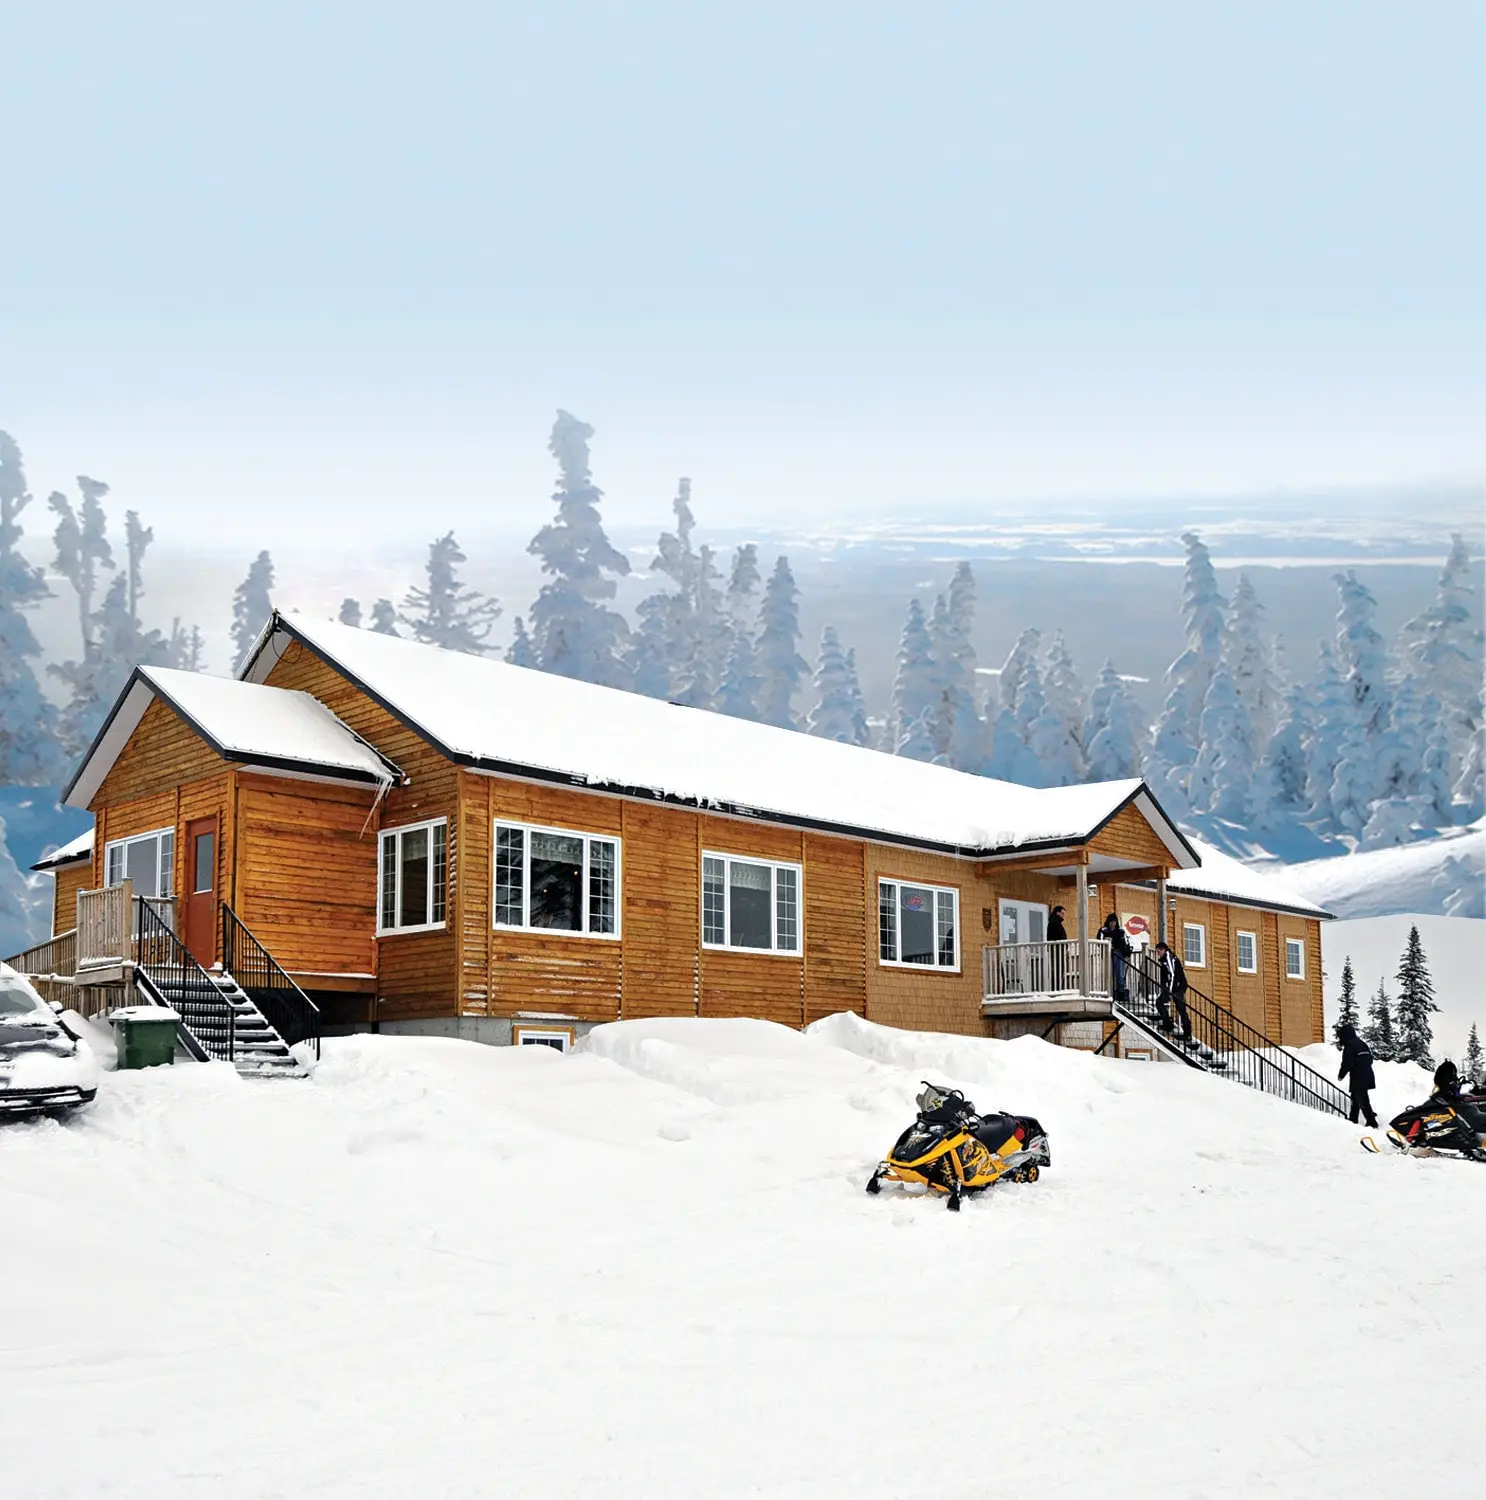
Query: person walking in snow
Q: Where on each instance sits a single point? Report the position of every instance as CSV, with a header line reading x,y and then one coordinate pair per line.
x,y
1357,1068
1058,933
1113,933
1173,989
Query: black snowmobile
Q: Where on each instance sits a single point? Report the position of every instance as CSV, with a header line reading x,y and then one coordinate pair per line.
x,y
951,1149
1450,1121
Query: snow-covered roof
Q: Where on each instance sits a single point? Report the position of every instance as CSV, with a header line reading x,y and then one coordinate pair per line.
x,y
492,716
80,848
1224,878
268,728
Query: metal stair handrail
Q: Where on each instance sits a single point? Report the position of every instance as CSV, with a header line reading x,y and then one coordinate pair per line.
x,y
282,1003
1248,1055
169,975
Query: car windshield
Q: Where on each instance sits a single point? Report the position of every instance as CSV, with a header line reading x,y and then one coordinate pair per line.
x,y
18,1003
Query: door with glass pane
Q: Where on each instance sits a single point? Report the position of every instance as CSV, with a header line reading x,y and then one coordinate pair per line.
x,y
200,895
1023,965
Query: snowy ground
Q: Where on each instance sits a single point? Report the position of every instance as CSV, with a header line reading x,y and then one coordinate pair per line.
x,y
1417,877
1455,948
649,1269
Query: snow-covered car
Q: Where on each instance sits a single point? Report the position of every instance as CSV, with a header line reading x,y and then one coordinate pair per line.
x,y
43,1066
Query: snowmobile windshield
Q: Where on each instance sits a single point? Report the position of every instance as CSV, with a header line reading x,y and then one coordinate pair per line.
x,y
17,1003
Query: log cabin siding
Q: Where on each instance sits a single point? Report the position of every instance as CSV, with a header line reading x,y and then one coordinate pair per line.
x,y
836,926
1127,835
67,881
662,923
163,753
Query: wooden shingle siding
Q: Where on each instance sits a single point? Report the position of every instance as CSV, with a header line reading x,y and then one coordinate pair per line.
x,y
1127,835
836,926
1269,963
66,883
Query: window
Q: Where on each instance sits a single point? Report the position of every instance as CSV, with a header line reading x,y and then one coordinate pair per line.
x,y
1194,945
204,863
147,859
412,886
918,925
750,904
556,880
1248,953
1294,958
559,1038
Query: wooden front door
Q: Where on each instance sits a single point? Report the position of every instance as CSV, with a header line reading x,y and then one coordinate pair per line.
x,y
200,895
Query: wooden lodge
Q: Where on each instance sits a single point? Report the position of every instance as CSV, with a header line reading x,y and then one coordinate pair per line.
x,y
429,841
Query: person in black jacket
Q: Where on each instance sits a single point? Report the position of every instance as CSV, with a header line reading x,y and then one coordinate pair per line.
x,y
1357,1067
1058,933
1119,956
1174,989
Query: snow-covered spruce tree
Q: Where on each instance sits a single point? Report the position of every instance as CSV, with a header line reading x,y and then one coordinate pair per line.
x,y
1363,654
521,652
1470,788
1014,668
860,725
1473,1068
1398,748
646,658
1437,779
1391,821
1250,660
1114,748
738,692
917,740
252,604
665,646
777,650
444,613
1346,1014
1223,771
958,730
1008,757
1443,649
384,618
1415,1034
743,581
1058,756
1331,717
81,542
575,633
1287,760
1350,795
916,683
1379,1033
1458,888
833,717
1065,697
29,752
350,613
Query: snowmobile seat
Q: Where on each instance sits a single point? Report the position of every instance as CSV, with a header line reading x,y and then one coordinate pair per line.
x,y
994,1131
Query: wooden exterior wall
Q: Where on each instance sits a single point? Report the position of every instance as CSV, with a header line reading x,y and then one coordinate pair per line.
x,y
67,881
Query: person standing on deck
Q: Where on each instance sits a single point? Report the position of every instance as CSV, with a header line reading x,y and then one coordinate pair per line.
x,y
1058,933
1357,1066
1119,957
1174,989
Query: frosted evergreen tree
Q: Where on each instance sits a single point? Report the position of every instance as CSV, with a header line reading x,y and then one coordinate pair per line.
x,y
521,652
738,692
958,730
1443,649
1014,668
574,631
834,714
917,739
1114,746
1332,717
1391,821
743,581
444,612
780,665
1363,654
1223,770
1379,1033
861,727
185,649
1250,660
1058,756
29,753
384,618
1474,1068
1350,795
252,604
1437,779
350,613
1470,789
82,548
1347,1013
1398,748
915,686
648,658
668,618
1008,757
1065,697
1415,1034
1287,759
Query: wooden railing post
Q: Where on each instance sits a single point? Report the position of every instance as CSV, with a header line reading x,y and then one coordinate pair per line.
x,y
1081,880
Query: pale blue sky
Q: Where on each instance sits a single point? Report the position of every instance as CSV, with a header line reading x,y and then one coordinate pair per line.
x,y
275,269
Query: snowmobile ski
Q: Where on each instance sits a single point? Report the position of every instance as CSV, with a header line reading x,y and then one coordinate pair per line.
x,y
1369,1144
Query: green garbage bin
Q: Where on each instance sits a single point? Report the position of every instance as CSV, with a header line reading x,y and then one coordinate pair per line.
x,y
145,1035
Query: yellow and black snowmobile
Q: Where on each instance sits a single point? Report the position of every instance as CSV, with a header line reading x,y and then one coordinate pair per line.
x,y
952,1150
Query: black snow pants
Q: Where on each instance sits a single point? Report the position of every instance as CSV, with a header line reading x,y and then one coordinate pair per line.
x,y
1362,1106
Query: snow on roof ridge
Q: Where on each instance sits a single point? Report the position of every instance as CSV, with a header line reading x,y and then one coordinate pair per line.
x,y
1223,876
544,723
78,848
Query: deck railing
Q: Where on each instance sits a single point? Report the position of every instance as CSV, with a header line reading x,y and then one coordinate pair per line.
x,y
108,926
1057,968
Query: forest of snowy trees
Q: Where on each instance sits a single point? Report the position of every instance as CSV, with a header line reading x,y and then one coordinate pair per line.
x,y
1354,740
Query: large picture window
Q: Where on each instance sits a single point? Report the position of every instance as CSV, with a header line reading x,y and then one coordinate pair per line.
x,y
752,904
146,859
918,925
556,880
413,880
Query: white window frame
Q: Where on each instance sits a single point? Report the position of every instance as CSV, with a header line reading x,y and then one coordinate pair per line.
x,y
898,881
774,866
1194,963
532,1036
164,867
398,833
1239,935
1293,942
526,830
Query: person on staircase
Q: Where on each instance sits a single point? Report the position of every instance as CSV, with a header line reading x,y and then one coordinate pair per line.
x,y
1113,933
1057,932
1173,991
1357,1068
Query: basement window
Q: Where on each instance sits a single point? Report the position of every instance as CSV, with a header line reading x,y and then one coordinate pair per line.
x,y
918,926
1294,958
750,904
413,877
559,1038
1194,945
556,880
146,859
1248,953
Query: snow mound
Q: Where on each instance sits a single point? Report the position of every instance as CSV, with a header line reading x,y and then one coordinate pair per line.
x,y
1444,876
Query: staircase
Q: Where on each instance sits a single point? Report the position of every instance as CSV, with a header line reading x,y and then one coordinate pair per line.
x,y
1222,1044
251,1024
